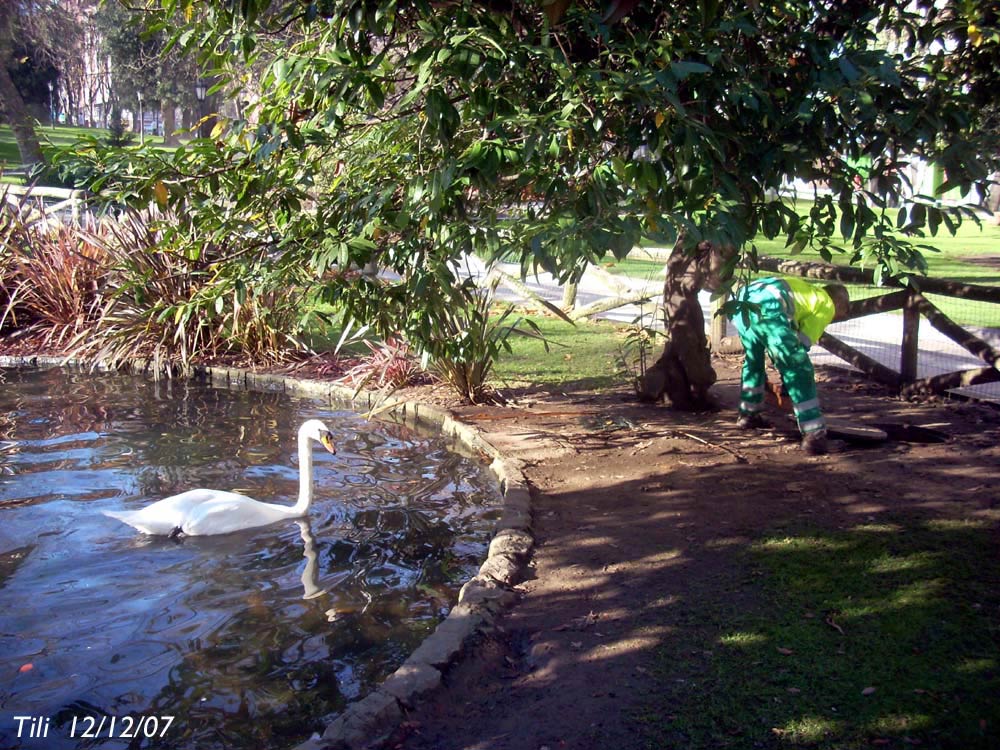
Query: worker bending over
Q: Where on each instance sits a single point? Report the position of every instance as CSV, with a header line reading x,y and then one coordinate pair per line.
x,y
786,318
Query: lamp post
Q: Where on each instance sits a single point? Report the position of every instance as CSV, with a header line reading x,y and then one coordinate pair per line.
x,y
52,109
200,90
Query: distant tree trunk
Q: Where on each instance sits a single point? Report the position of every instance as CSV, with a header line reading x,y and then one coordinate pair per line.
x,y
684,373
169,113
20,119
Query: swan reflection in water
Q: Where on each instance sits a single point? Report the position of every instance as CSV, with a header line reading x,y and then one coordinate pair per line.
x,y
310,574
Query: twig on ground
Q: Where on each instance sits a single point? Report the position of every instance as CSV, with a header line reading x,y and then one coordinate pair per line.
x,y
740,458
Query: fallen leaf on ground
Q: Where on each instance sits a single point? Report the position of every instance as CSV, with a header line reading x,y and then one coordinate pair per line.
x,y
785,651
868,691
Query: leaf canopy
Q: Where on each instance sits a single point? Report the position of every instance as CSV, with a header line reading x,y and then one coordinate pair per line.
x,y
556,133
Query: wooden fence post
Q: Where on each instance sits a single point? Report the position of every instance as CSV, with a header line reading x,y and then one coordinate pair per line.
x,y
910,344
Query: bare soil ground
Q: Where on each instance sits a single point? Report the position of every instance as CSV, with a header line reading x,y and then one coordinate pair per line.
x,y
640,511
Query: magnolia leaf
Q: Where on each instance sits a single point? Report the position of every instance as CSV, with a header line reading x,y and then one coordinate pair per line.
x,y
160,194
554,9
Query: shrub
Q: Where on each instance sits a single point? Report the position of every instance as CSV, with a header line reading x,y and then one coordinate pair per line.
x,y
472,338
389,365
51,275
169,306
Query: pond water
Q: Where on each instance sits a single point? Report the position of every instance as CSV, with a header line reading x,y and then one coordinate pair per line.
x,y
248,639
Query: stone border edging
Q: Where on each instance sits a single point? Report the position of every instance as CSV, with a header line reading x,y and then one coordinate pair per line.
x,y
367,722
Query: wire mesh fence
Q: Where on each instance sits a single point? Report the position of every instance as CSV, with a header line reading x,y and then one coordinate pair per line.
x,y
880,337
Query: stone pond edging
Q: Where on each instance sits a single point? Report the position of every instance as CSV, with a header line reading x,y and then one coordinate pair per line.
x,y
368,721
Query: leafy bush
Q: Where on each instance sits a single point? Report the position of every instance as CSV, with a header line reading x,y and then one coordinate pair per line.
x,y
472,339
169,306
146,312
147,287
51,276
390,365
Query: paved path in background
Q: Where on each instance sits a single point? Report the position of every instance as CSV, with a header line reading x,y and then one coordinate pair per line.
x,y
878,336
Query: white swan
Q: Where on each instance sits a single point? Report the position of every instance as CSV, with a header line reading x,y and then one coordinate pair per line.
x,y
203,512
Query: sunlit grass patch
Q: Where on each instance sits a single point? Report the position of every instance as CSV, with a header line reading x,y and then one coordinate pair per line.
x,y
808,730
880,635
802,544
899,563
742,639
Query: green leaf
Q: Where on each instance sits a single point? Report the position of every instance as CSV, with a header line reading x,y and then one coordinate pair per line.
x,y
848,69
685,68
847,222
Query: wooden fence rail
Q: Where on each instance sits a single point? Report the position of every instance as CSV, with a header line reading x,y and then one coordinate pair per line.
x,y
38,200
911,300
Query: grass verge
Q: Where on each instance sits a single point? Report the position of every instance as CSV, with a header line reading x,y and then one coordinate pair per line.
x,y
884,635
579,357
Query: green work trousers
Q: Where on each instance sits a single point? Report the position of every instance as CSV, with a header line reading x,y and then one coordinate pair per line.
x,y
770,331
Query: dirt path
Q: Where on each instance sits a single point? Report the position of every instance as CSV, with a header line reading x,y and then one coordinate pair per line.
x,y
638,512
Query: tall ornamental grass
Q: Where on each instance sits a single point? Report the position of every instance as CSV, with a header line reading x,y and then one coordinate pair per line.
x,y
121,292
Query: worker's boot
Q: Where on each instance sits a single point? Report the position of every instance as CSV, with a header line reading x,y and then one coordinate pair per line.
x,y
751,421
814,443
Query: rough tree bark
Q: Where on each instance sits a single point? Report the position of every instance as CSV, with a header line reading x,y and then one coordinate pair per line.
x,y
683,374
12,105
11,102
168,112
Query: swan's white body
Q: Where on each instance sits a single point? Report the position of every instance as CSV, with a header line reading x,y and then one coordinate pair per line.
x,y
202,512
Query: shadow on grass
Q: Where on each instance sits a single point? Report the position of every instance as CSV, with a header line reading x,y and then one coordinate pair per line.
x,y
883,634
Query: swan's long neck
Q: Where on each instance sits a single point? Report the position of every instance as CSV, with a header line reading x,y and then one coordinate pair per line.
x,y
305,475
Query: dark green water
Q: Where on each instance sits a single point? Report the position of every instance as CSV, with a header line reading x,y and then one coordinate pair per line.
x,y
248,640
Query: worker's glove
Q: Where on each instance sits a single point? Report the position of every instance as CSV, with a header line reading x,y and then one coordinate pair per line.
x,y
805,340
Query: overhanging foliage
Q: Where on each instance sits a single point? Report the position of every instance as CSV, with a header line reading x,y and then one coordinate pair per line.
x,y
409,134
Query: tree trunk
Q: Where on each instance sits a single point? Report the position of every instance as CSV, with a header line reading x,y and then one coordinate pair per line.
x,y
20,119
169,113
684,373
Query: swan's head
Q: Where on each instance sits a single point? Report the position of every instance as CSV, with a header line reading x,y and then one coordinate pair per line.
x,y
316,430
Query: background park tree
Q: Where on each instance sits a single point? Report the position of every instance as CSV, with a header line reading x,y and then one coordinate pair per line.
x,y
142,65
34,35
557,133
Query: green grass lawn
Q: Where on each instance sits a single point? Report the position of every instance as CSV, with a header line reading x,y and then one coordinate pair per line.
x,y
60,135
579,357
879,635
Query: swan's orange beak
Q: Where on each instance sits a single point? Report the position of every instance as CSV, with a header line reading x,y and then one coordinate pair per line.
x,y
326,439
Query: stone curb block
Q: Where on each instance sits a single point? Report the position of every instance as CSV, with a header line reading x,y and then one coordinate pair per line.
x,y
503,569
486,592
411,682
371,719
513,543
442,647
363,723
